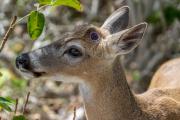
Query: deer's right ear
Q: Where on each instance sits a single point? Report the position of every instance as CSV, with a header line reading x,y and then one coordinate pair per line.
x,y
125,41
119,20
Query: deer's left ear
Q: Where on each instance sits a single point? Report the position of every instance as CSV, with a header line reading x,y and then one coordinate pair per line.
x,y
127,40
117,21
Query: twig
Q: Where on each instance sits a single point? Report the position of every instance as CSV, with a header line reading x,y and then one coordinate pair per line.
x,y
10,29
16,107
74,118
27,99
12,25
30,14
21,19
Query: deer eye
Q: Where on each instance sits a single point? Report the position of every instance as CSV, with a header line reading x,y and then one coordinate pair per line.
x,y
94,36
74,52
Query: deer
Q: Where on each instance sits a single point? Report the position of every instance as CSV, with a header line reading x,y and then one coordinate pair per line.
x,y
167,75
91,57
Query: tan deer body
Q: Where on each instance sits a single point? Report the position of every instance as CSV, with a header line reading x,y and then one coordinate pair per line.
x,y
168,75
89,56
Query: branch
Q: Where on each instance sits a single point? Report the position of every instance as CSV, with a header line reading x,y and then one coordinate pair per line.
x,y
38,9
12,25
74,118
27,99
10,29
16,107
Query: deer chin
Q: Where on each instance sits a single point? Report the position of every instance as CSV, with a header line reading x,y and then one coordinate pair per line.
x,y
61,77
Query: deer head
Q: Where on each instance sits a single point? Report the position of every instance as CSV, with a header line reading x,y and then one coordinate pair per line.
x,y
84,51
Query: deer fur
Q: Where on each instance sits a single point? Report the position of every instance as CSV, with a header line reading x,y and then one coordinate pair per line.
x,y
99,73
167,76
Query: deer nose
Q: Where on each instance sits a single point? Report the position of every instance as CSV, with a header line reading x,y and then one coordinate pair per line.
x,y
23,61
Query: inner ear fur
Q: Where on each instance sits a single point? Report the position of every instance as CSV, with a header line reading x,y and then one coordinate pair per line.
x,y
125,41
131,38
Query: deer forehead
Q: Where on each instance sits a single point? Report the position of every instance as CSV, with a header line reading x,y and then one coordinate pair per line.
x,y
82,31
80,37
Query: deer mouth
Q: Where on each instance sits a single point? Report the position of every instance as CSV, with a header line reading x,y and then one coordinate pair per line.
x,y
39,74
32,74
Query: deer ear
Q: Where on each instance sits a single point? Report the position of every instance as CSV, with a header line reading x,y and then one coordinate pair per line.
x,y
118,20
127,40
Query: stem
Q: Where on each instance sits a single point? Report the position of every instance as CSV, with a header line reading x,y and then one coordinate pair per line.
x,y
10,29
30,14
74,118
12,25
42,7
16,107
27,99
22,18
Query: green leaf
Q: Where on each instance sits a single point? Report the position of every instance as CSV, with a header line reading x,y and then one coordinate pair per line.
x,y
35,24
10,100
5,103
71,3
5,106
1,74
19,117
44,2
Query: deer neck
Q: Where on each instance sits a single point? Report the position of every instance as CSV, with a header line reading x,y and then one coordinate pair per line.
x,y
109,97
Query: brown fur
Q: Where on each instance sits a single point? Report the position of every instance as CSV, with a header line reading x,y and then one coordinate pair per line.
x,y
168,75
99,73
113,100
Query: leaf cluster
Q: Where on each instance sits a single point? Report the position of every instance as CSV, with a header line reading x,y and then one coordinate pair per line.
x,y
36,20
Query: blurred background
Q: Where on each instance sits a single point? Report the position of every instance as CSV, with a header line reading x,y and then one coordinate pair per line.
x,y
51,100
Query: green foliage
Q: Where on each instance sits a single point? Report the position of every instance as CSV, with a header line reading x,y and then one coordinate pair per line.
x,y
170,14
5,103
35,24
154,17
36,19
71,3
19,117
45,2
